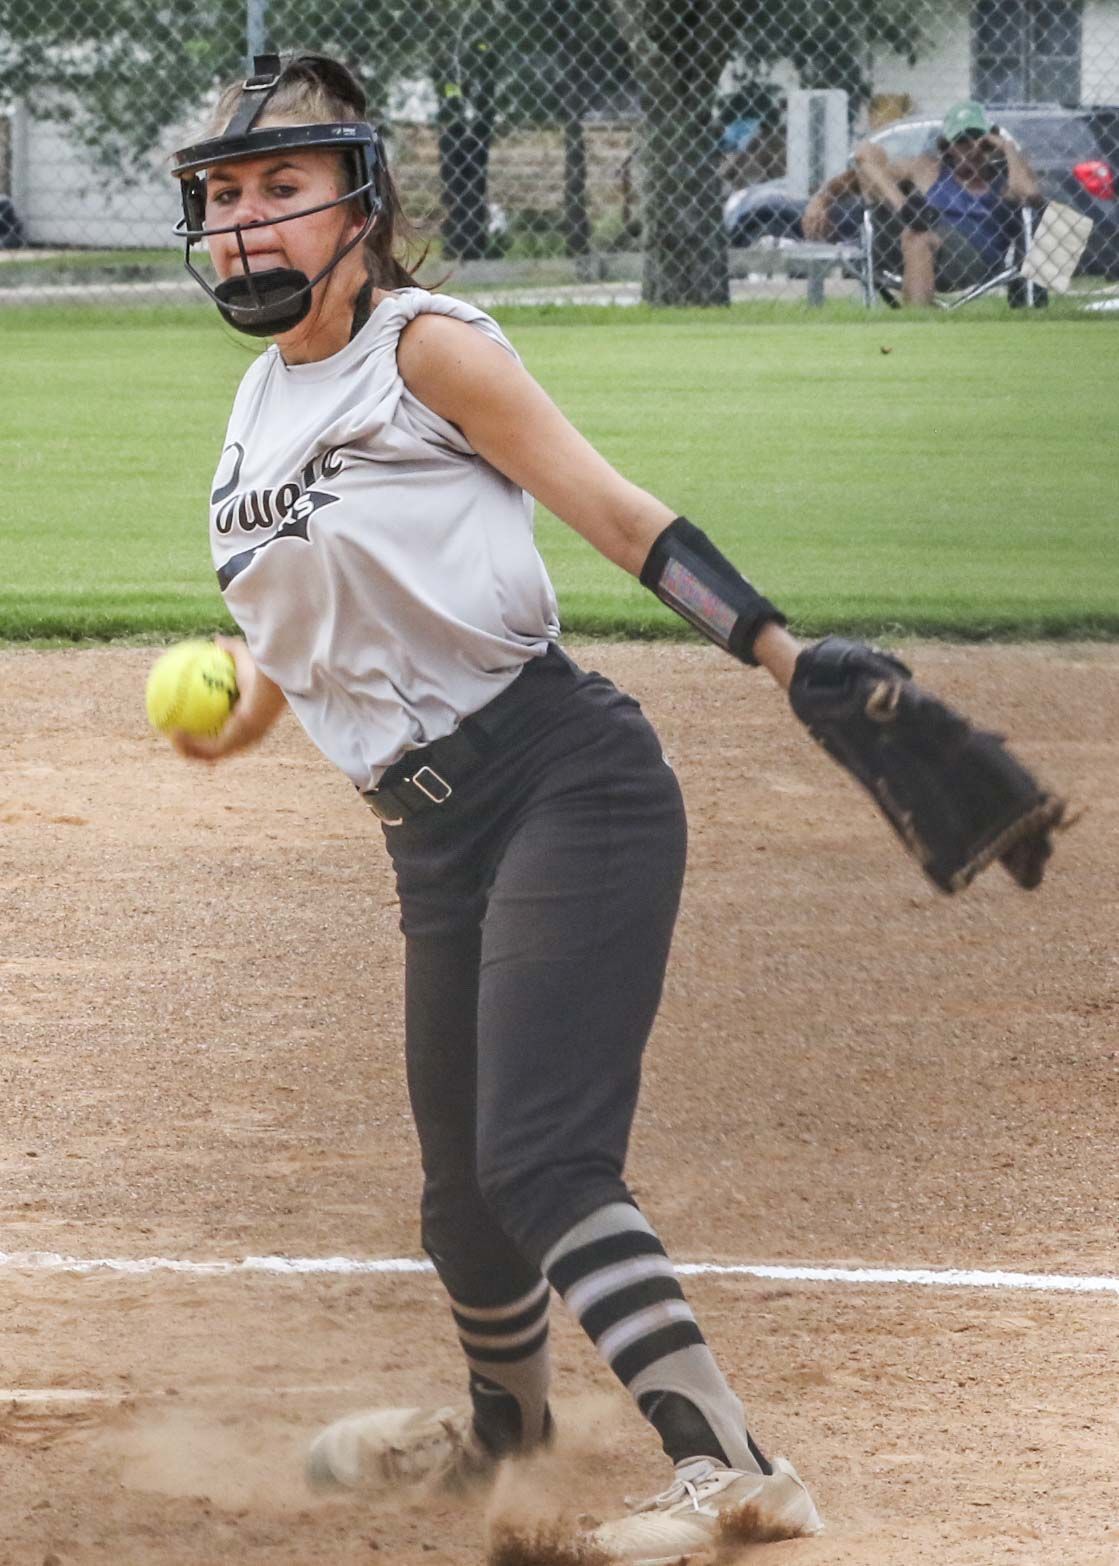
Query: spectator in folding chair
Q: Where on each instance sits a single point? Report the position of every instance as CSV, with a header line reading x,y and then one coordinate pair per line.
x,y
944,221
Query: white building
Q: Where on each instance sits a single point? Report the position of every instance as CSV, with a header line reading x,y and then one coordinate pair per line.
x,y
1009,51
64,198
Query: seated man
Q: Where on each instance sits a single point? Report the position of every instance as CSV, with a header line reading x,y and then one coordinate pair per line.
x,y
949,219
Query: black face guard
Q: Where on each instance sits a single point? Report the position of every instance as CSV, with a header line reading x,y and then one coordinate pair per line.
x,y
266,303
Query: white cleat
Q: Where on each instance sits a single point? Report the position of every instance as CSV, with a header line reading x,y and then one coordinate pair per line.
x,y
708,1505
381,1450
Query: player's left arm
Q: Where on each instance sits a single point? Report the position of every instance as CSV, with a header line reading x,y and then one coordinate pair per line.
x,y
955,797
511,421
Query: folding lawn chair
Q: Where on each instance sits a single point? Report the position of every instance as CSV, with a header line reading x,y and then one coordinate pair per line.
x,y
1040,260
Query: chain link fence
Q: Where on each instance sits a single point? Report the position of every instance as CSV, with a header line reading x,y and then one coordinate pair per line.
x,y
680,151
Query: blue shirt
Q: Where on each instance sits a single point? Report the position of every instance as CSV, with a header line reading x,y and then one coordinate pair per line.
x,y
986,221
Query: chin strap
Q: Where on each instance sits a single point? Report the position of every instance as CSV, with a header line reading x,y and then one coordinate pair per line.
x,y
255,93
363,308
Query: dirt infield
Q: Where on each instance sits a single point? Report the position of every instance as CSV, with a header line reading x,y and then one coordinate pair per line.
x,y
200,999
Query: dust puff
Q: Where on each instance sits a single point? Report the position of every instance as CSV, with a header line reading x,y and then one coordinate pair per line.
x,y
526,1524
541,1544
180,1452
528,1520
747,1524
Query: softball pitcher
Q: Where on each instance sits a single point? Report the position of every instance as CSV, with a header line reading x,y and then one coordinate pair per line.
x,y
371,528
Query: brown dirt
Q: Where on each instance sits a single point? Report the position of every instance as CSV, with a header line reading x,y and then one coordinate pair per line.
x,y
200,998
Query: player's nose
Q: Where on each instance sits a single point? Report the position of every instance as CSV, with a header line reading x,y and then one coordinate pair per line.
x,y
251,206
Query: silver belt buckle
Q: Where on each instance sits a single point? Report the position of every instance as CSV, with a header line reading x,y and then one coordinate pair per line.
x,y
434,783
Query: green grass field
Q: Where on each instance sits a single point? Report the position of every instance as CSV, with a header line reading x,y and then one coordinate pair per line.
x,y
953,485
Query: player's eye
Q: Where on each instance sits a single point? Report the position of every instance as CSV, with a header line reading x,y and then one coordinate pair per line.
x,y
284,191
223,198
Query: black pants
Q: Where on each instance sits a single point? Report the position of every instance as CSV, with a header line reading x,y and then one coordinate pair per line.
x,y
538,906
958,264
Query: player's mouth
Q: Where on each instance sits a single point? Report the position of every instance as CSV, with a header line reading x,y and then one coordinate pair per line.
x,y
262,260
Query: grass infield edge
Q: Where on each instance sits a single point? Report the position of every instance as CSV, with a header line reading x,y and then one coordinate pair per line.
x,y
44,633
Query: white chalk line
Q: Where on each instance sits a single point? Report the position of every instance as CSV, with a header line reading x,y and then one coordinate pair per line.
x,y
40,1398
350,1266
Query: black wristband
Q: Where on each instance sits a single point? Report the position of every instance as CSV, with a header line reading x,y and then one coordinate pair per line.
x,y
687,572
916,214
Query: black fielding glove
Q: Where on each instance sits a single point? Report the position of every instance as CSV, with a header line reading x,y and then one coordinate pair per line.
x,y
954,794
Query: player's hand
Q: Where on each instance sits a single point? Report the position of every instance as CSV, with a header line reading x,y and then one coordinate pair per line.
x,y
815,223
997,146
868,154
259,702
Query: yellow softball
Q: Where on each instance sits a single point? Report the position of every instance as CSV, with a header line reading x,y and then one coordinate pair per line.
x,y
192,687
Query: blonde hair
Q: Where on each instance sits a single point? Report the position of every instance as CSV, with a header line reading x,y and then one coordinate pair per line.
x,y
315,89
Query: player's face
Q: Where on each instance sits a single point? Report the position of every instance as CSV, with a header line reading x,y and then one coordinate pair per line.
x,y
967,154
269,188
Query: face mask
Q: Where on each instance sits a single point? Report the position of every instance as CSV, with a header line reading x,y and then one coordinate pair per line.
x,y
269,303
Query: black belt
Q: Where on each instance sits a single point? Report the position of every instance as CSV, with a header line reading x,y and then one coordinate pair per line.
x,y
429,775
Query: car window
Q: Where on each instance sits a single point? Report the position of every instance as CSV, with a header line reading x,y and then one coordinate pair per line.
x,y
1048,139
907,140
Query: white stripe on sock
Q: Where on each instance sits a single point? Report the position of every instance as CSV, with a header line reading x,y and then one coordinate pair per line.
x,y
618,1275
503,1340
641,1324
614,1218
503,1312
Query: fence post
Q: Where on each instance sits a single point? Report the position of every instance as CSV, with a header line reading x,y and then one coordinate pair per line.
x,y
256,30
817,138
19,129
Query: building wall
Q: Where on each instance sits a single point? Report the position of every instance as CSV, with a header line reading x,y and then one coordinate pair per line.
x,y
942,74
1099,70
63,198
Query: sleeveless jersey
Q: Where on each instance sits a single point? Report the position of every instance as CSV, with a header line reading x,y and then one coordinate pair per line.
x,y
382,573
986,221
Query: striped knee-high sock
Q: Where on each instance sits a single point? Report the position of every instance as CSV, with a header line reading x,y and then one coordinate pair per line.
x,y
614,1276
507,1353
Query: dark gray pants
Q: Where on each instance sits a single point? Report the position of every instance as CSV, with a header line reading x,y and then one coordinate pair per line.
x,y
538,906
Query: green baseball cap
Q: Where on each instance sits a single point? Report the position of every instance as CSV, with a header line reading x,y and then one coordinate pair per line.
x,y
966,118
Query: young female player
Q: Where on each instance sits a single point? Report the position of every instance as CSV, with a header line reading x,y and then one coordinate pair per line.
x,y
371,526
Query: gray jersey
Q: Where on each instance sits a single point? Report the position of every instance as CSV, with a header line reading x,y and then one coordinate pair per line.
x,y
383,574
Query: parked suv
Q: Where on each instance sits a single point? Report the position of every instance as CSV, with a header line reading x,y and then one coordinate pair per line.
x,y
1074,153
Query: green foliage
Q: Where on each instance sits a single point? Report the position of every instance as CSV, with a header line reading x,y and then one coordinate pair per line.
x,y
566,57
533,234
119,73
119,80
829,45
